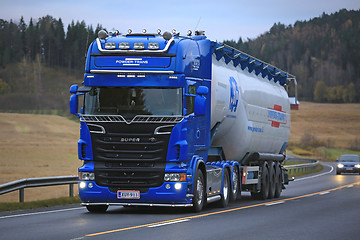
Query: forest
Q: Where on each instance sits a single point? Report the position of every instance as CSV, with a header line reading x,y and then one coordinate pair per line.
x,y
39,60
323,53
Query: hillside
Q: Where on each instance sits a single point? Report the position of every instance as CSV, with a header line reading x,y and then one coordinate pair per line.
x,y
322,53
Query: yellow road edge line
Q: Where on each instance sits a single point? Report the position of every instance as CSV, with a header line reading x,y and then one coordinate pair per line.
x,y
219,212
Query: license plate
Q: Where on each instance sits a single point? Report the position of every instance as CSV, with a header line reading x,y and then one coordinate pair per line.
x,y
349,169
128,194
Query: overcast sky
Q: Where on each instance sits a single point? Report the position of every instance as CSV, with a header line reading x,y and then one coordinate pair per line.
x,y
221,19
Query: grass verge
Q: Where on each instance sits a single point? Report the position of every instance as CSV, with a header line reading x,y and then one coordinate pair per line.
x,y
39,204
298,174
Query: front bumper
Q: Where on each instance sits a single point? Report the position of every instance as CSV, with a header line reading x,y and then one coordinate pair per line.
x,y
159,196
348,170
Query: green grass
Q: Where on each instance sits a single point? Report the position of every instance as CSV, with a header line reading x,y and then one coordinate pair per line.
x,y
39,204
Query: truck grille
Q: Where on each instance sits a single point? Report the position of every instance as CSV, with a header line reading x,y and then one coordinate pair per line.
x,y
129,156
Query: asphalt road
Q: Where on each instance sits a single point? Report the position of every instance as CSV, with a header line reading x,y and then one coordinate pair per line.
x,y
322,206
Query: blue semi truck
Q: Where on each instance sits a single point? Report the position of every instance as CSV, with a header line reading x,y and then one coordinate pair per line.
x,y
179,121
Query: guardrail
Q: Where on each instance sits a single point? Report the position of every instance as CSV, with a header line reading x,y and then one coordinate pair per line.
x,y
21,184
38,182
308,165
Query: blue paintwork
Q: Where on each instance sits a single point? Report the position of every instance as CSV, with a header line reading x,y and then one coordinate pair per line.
x,y
190,60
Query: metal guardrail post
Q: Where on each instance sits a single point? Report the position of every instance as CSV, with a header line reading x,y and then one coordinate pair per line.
x,y
71,190
21,195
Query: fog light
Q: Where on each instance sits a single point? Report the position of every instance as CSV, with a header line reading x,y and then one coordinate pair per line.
x,y
177,186
167,186
90,185
82,185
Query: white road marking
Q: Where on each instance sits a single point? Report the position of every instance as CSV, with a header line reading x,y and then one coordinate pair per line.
x,y
275,203
350,186
318,175
38,213
323,193
168,223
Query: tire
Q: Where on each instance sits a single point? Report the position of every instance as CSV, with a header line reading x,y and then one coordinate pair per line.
x,y
199,192
225,197
264,190
278,184
236,184
97,208
272,180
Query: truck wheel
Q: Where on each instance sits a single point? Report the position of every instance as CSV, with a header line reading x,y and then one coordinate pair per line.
x,y
278,184
225,197
264,190
272,180
199,192
236,184
97,208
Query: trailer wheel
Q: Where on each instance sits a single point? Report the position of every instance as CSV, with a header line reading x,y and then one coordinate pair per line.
x,y
199,192
264,190
272,180
278,183
236,184
225,197
97,208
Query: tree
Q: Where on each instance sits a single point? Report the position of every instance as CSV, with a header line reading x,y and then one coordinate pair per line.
x,y
320,92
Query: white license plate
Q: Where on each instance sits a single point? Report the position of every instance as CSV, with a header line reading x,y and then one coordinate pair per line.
x,y
128,194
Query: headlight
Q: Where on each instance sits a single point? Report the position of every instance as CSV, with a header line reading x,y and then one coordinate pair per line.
x,y
153,46
357,165
139,45
175,177
124,45
110,45
340,165
86,176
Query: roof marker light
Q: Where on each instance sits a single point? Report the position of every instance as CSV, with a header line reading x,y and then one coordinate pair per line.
x,y
144,31
129,31
174,31
189,32
159,31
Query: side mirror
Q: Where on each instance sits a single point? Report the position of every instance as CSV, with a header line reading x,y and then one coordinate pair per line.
x,y
74,89
74,103
200,101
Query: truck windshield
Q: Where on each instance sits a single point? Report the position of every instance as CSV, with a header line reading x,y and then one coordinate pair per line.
x,y
130,101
